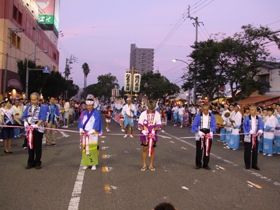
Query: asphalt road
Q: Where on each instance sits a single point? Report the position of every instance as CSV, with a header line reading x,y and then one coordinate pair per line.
x,y
118,182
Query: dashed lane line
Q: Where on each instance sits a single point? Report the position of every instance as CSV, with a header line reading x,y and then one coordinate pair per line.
x,y
76,194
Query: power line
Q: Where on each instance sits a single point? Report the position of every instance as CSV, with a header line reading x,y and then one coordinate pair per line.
x,y
203,31
200,4
201,36
64,48
178,24
202,7
273,22
206,30
172,31
168,71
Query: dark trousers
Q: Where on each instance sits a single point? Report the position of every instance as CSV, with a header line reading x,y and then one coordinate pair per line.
x,y
37,150
199,154
24,142
248,152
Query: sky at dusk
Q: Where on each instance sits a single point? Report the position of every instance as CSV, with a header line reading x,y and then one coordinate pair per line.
x,y
100,32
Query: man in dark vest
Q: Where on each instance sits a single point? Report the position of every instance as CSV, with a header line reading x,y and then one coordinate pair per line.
x,y
34,117
253,127
204,125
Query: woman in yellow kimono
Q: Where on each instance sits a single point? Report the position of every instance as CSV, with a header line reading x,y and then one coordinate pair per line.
x,y
89,126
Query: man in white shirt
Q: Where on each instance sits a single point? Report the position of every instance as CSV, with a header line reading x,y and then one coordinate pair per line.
x,y
128,112
66,113
181,112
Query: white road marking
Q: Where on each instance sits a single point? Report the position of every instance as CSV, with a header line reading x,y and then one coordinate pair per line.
x,y
185,188
76,194
230,162
113,187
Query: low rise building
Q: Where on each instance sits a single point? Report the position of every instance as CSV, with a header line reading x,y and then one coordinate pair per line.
x,y
23,37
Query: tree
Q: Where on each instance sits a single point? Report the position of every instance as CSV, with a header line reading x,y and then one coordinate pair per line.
x,y
232,60
157,85
207,69
71,88
104,86
52,84
86,71
246,52
36,79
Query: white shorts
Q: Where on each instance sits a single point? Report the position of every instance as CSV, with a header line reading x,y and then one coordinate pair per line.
x,y
66,115
108,120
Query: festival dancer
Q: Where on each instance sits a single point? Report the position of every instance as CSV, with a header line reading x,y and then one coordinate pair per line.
x,y
186,118
149,122
262,113
17,109
128,112
8,118
175,114
34,117
108,115
119,106
117,110
277,134
181,112
253,127
228,125
223,129
163,119
97,105
235,119
269,128
53,115
89,126
122,122
204,125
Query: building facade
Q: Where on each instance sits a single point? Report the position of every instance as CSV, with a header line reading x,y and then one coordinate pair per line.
x,y
23,37
270,74
142,59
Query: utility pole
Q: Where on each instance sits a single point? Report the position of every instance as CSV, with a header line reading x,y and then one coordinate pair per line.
x,y
69,61
196,24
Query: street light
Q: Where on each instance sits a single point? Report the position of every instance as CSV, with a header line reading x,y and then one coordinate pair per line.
x,y
27,71
194,83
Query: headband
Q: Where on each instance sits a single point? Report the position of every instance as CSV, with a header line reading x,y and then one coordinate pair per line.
x,y
89,102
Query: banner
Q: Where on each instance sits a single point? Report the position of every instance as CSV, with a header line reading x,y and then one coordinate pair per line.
x,y
136,82
127,82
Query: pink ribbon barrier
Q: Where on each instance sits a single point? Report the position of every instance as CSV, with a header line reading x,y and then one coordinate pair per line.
x,y
254,140
84,140
208,137
29,136
151,138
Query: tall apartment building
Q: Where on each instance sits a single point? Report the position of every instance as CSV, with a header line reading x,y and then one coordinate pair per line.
x,y
28,30
141,59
